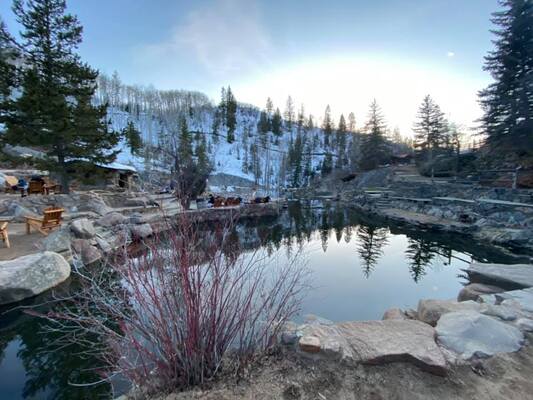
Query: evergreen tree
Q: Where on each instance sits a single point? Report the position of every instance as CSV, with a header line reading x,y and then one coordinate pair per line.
x,y
327,127
341,143
231,115
223,105
370,246
55,110
327,164
508,102
309,125
185,144
215,126
8,73
289,113
374,149
269,109
133,138
276,123
430,129
263,126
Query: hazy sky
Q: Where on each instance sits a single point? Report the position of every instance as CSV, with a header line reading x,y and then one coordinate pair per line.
x,y
343,53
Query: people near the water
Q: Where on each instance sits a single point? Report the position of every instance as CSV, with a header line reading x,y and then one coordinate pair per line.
x,y
22,185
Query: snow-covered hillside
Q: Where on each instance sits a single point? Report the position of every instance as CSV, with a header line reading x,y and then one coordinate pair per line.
x,y
288,159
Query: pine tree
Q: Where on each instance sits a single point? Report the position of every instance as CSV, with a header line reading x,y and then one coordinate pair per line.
x,y
55,110
276,123
327,127
508,102
341,143
289,113
223,105
216,125
309,125
185,144
269,108
370,247
374,150
430,128
133,138
8,72
301,119
231,115
327,164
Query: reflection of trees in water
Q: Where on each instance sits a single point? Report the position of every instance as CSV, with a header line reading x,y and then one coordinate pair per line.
x,y
348,231
420,254
324,231
370,246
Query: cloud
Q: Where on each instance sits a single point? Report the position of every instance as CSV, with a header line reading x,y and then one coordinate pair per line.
x,y
225,37
450,54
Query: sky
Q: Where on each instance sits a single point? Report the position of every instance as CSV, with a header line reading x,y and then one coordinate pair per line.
x,y
343,53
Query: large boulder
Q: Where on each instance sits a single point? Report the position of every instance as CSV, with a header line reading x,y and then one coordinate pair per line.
x,y
474,291
31,275
522,298
471,334
375,342
111,219
141,231
88,253
83,228
394,313
58,241
430,310
507,276
19,212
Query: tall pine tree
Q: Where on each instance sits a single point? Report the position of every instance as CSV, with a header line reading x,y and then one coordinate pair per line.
x,y
327,127
374,148
508,102
430,129
55,110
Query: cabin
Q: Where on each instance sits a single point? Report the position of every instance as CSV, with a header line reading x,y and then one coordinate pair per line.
x,y
103,176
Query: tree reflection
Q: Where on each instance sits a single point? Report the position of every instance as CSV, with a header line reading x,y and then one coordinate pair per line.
x,y
420,253
370,246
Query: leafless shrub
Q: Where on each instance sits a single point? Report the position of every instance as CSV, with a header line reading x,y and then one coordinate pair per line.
x,y
189,306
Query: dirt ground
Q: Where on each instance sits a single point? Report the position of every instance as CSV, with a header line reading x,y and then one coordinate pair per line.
x,y
21,243
508,376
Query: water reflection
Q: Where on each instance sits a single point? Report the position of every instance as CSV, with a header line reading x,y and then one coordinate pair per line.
x,y
362,265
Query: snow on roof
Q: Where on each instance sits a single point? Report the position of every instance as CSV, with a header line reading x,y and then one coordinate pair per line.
x,y
118,166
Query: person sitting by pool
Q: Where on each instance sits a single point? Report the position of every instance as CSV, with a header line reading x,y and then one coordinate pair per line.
x,y
22,185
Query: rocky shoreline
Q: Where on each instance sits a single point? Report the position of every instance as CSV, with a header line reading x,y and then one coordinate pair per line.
x,y
97,226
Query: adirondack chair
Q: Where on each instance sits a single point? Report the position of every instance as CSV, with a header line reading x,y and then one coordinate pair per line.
x,y
51,220
4,234
36,187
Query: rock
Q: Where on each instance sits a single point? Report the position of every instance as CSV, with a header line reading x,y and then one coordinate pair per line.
x,y
104,245
473,291
289,333
31,275
309,344
111,219
18,212
379,342
525,324
311,319
522,298
394,313
502,312
430,310
487,299
137,218
507,276
58,241
469,334
88,253
98,206
140,231
83,228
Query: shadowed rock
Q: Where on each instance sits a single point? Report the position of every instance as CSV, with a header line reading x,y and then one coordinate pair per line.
x,y
507,276
473,291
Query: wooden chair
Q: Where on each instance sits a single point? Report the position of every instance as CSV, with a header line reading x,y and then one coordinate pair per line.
x,y
51,220
36,187
4,234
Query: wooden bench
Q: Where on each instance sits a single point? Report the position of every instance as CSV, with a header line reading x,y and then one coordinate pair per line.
x,y
36,187
51,220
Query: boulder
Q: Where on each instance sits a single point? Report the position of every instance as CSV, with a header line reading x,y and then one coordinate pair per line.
x,y
309,344
473,291
88,253
394,313
83,228
97,205
111,219
140,231
18,212
58,241
311,319
525,324
522,298
503,312
378,342
430,310
507,276
471,334
31,275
